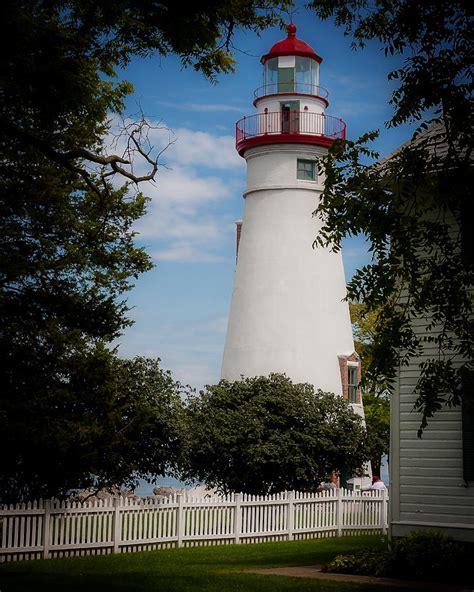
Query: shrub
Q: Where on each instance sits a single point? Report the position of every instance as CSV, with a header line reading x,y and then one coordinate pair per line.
x,y
428,554
423,555
363,563
267,434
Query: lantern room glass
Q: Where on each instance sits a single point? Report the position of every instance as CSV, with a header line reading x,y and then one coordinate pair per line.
x,y
270,80
303,79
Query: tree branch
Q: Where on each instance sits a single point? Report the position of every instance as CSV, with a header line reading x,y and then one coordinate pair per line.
x,y
137,134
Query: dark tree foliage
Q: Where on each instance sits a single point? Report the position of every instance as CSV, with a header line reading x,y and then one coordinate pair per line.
x,y
416,206
60,51
264,435
100,423
67,247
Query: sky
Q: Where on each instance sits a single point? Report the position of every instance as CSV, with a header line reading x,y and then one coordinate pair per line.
x,y
180,308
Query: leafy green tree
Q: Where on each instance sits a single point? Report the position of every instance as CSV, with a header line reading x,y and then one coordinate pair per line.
x,y
110,423
377,420
67,247
374,388
265,434
364,327
416,206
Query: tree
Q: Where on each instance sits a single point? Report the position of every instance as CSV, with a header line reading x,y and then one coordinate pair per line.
x,y
67,243
265,434
59,51
364,326
416,206
374,388
113,422
377,420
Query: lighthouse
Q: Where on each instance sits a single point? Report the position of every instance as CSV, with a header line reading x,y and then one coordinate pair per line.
x,y
288,312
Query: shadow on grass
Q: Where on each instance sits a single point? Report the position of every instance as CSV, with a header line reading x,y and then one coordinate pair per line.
x,y
197,569
139,582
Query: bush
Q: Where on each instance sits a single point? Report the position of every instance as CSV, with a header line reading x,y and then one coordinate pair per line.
x,y
423,555
427,554
362,563
266,434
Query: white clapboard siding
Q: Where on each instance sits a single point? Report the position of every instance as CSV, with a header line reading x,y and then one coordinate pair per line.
x,y
50,528
427,473
431,488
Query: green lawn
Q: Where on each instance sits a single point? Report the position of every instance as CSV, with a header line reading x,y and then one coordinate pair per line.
x,y
202,569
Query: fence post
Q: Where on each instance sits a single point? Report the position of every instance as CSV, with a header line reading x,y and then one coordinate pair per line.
x,y
46,528
238,517
383,513
117,531
180,520
339,511
290,517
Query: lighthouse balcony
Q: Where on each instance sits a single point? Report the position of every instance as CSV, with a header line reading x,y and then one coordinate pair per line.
x,y
283,127
293,88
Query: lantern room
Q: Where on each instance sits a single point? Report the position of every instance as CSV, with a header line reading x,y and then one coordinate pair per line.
x,y
291,74
291,66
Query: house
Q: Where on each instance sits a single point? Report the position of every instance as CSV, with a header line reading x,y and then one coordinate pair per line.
x,y
432,476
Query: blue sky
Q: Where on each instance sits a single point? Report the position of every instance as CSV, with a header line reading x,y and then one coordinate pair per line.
x,y
180,308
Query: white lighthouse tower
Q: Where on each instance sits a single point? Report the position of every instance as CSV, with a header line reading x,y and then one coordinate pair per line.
x,y
288,312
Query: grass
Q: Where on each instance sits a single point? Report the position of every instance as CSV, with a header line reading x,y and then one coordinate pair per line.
x,y
198,569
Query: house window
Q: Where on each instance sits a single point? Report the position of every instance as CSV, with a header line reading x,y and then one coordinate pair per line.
x,y
306,170
352,383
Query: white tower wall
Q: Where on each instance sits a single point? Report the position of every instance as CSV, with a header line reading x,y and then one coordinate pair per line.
x,y
287,311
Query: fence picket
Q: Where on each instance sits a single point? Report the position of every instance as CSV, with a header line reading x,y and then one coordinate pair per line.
x,y
46,528
290,520
116,531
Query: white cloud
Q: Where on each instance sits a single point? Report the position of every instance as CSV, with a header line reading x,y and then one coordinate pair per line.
x,y
181,146
180,212
204,107
186,251
185,186
185,228
186,219
196,148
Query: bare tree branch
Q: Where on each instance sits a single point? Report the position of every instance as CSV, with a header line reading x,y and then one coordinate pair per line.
x,y
137,144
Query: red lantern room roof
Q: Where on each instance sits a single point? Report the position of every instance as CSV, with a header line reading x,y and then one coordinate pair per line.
x,y
291,46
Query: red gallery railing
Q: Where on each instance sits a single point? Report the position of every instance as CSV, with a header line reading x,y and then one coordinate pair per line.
x,y
264,128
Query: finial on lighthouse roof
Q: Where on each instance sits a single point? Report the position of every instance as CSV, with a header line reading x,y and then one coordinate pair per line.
x,y
291,46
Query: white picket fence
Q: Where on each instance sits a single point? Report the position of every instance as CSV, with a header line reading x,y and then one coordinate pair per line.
x,y
44,529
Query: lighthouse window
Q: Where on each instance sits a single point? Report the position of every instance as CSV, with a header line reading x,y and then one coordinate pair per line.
x,y
306,170
352,383
303,75
286,80
271,75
